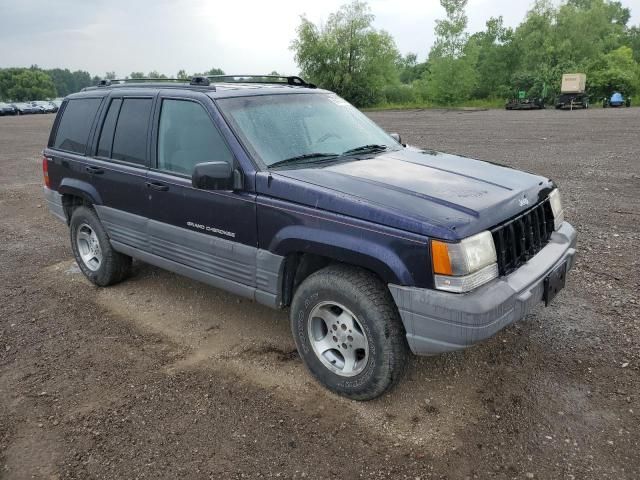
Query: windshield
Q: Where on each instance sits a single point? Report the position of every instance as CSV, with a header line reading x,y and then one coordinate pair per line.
x,y
281,127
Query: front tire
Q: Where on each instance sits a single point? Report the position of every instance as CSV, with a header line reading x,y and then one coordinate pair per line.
x,y
95,256
348,332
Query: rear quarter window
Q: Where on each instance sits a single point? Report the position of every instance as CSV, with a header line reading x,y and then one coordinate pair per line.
x,y
73,130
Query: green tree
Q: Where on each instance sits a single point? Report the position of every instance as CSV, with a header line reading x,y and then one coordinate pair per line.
x,y
450,31
182,75
633,41
615,71
494,59
155,74
137,75
24,84
451,77
67,82
214,71
347,55
450,80
574,37
81,79
409,69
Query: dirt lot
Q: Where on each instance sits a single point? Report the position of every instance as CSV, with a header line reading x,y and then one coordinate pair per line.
x,y
163,377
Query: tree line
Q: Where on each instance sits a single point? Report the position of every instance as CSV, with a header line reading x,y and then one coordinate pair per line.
x,y
349,55
34,83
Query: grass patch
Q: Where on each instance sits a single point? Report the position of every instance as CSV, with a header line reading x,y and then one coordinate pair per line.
x,y
477,103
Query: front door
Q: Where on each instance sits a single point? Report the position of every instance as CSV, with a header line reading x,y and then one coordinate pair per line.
x,y
213,232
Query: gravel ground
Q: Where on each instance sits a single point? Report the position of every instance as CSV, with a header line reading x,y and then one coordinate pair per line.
x,y
163,377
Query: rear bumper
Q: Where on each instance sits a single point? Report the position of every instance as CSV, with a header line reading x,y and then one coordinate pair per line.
x,y
54,202
438,322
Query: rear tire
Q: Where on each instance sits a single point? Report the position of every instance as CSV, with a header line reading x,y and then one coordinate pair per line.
x,y
95,256
348,332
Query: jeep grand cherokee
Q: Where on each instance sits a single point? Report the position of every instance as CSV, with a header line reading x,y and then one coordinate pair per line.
x,y
276,190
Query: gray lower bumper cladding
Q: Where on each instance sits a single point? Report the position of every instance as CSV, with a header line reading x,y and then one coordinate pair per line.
x,y
54,202
438,322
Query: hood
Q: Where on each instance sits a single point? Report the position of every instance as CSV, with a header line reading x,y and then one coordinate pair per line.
x,y
421,191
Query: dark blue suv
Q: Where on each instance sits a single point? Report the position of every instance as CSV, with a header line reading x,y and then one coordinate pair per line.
x,y
276,190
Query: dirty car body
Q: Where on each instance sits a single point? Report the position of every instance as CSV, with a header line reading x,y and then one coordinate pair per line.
x,y
463,247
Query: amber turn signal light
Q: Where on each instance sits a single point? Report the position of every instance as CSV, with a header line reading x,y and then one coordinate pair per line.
x,y
440,258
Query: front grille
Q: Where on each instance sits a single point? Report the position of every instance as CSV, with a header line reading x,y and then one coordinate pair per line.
x,y
520,238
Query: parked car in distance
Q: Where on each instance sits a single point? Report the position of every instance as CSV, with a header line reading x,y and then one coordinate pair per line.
x,y
287,194
45,106
26,108
7,109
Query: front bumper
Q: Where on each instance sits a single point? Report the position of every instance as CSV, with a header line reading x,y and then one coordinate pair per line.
x,y
438,322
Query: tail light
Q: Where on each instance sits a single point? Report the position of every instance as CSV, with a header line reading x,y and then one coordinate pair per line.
x,y
45,172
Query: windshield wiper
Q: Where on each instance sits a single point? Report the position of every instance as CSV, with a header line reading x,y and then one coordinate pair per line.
x,y
305,158
316,157
371,148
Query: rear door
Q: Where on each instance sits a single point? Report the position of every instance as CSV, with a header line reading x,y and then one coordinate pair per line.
x,y
119,166
211,231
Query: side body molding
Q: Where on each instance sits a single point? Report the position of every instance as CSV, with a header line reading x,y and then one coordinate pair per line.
x,y
238,268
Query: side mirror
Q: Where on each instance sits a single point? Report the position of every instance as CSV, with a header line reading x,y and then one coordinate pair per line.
x,y
213,176
396,137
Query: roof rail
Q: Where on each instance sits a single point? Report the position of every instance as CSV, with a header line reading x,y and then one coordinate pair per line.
x,y
279,79
205,81
108,82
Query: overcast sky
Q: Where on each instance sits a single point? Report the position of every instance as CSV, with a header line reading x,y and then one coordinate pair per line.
x,y
238,36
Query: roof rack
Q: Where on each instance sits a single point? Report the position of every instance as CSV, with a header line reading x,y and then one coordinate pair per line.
x,y
278,79
205,81
108,82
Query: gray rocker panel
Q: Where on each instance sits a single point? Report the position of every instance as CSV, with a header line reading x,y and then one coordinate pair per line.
x,y
238,268
124,227
218,256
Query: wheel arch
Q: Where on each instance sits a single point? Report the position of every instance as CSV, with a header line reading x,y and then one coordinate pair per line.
x,y
81,189
77,193
304,257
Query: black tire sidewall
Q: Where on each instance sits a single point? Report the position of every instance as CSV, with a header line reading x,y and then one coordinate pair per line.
x,y
103,275
317,289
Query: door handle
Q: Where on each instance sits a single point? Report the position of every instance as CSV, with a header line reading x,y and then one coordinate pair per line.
x,y
157,186
94,170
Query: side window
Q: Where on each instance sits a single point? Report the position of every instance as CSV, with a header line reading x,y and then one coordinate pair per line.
x,y
73,130
130,137
108,127
186,137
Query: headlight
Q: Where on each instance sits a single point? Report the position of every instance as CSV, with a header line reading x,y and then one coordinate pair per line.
x,y
556,208
463,266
